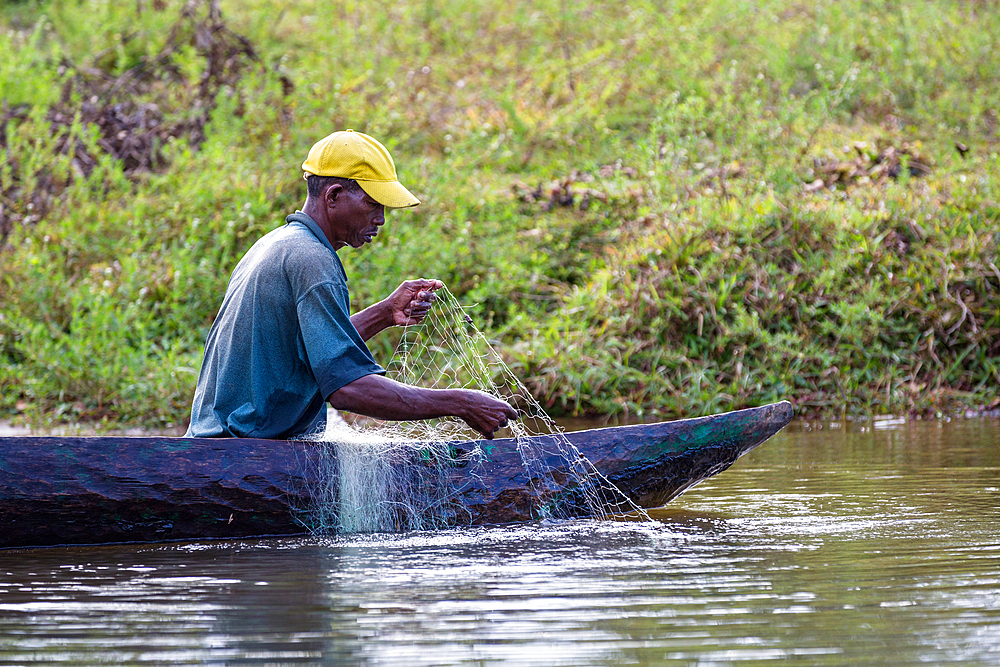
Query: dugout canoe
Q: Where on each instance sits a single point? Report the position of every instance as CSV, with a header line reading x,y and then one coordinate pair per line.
x,y
89,490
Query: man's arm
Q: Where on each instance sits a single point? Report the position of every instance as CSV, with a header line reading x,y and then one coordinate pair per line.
x,y
406,306
382,398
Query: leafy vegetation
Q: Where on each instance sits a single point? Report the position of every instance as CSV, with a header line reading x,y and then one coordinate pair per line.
x,y
657,210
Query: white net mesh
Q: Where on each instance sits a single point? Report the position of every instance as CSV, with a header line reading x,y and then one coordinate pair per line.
x,y
384,476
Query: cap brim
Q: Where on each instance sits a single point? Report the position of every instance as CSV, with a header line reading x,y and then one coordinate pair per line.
x,y
390,194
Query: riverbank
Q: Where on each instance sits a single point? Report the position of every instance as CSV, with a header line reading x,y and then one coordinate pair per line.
x,y
652,213
9,430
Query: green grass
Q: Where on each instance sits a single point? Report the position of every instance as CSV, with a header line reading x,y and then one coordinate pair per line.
x,y
621,189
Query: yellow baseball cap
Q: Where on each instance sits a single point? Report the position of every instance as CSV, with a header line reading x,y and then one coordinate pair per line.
x,y
355,155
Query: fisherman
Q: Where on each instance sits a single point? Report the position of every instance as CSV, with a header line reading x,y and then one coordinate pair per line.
x,y
284,342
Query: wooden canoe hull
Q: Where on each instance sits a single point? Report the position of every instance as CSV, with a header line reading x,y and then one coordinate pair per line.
x,y
87,490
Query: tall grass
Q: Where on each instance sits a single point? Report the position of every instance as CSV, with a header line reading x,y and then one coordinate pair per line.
x,y
658,210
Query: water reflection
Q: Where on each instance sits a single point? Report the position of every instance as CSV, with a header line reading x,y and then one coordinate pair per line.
x,y
825,546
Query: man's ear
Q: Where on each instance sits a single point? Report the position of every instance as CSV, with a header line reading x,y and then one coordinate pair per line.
x,y
331,194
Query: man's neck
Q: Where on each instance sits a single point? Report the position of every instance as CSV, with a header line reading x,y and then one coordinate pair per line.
x,y
319,217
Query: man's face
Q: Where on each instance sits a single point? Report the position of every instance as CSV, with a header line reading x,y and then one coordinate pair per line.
x,y
355,218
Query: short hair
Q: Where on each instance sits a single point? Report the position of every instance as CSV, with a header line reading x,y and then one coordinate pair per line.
x,y
317,185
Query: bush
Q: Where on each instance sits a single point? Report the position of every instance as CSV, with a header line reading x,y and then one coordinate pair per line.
x,y
656,212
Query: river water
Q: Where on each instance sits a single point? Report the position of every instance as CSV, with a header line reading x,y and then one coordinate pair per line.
x,y
829,545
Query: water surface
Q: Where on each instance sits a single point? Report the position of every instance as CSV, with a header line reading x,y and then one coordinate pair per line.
x,y
875,544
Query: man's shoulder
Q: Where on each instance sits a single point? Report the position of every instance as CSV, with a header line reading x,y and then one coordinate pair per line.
x,y
288,243
294,251
290,233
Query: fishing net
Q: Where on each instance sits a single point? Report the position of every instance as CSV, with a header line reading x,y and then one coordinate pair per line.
x,y
385,476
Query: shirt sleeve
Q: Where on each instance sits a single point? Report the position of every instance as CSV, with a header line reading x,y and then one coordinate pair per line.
x,y
334,350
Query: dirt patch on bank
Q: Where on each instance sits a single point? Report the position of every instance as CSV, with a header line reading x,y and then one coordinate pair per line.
x,y
137,113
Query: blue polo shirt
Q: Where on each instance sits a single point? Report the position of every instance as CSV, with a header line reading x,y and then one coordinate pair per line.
x,y
282,342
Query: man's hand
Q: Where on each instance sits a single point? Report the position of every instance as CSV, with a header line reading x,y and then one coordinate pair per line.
x,y
411,301
484,413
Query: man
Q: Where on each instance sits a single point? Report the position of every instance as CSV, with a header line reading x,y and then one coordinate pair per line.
x,y
284,342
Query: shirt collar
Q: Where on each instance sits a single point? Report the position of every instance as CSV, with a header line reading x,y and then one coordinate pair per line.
x,y
311,225
299,216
